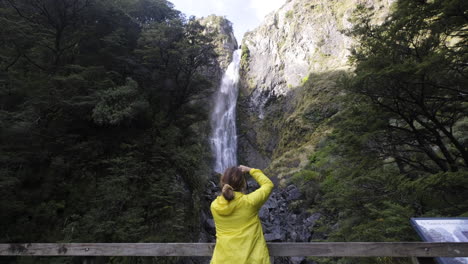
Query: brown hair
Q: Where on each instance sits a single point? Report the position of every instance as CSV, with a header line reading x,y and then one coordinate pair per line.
x,y
232,180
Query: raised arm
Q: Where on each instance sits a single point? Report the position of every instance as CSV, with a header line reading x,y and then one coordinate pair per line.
x,y
259,196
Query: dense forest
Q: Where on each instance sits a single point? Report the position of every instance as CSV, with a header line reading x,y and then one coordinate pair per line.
x,y
399,148
101,129
104,125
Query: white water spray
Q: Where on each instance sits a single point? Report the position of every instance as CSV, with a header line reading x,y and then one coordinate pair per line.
x,y
223,118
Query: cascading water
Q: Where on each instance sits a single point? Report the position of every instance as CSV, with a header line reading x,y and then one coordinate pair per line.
x,y
223,119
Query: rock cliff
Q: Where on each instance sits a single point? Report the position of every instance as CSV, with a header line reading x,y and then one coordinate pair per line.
x,y
290,68
224,41
225,44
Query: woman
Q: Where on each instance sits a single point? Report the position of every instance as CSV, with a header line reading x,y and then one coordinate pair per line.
x,y
239,235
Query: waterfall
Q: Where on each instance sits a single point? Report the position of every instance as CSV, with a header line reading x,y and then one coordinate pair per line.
x,y
223,118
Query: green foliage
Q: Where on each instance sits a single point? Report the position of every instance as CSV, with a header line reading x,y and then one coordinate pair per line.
x,y
396,150
244,64
289,14
102,133
422,75
119,104
362,194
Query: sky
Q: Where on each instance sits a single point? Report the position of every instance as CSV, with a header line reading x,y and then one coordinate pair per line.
x,y
245,15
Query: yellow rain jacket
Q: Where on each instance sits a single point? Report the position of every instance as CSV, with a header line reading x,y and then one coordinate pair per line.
x,y
239,234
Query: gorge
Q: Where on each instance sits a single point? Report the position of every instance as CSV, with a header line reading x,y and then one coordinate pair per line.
x,y
277,58
110,116
324,136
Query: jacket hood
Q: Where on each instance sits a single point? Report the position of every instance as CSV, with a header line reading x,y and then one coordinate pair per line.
x,y
225,207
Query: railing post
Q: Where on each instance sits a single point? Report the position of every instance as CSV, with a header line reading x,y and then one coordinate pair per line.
x,y
272,259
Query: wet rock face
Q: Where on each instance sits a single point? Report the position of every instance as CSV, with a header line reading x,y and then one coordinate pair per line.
x,y
225,44
279,222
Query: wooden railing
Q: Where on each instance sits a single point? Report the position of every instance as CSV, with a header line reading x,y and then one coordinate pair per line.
x,y
328,249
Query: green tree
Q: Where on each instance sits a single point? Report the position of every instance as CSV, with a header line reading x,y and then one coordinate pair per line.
x,y
413,66
89,150
396,150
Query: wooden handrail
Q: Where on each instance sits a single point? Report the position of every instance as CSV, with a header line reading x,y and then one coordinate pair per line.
x,y
329,249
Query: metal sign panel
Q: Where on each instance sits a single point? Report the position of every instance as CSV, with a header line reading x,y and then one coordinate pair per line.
x,y
443,229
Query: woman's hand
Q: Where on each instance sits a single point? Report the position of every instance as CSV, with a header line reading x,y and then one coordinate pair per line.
x,y
244,168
